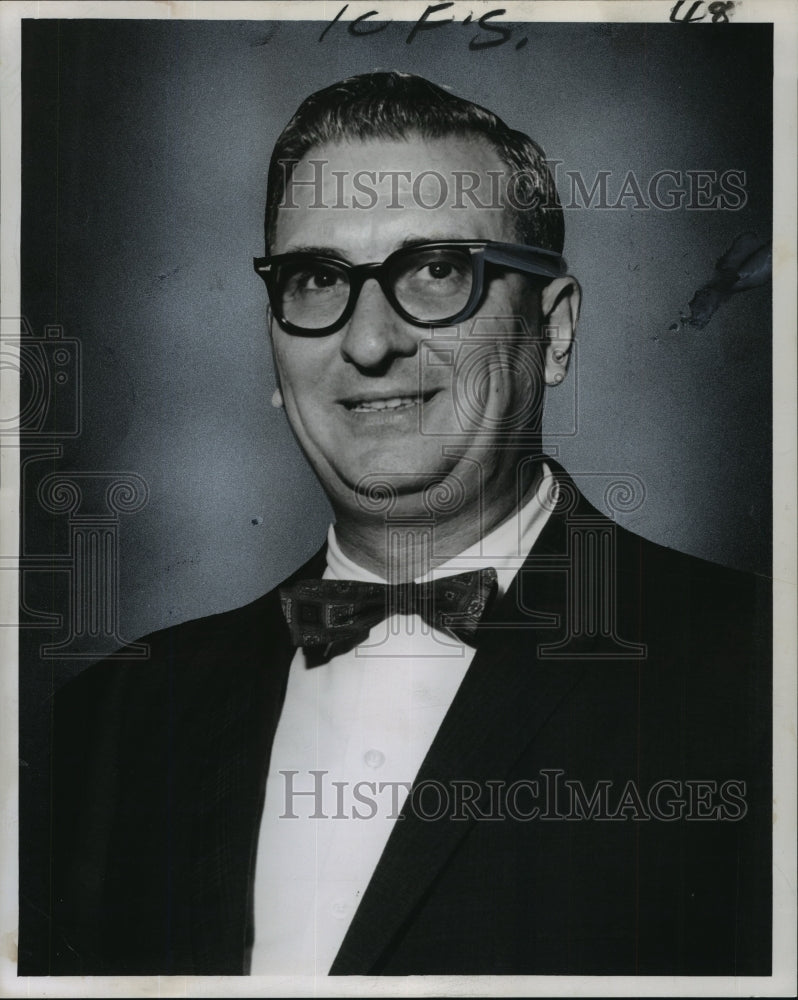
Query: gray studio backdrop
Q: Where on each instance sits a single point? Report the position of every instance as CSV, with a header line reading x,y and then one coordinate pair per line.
x,y
145,150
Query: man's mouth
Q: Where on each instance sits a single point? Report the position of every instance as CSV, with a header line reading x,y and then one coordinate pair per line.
x,y
377,403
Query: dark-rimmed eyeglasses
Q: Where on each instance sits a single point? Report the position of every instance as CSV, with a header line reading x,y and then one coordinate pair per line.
x,y
428,284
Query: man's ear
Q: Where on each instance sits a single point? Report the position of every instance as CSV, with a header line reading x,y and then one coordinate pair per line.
x,y
277,395
559,302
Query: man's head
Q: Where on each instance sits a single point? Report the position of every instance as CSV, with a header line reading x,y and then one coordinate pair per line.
x,y
399,106
434,371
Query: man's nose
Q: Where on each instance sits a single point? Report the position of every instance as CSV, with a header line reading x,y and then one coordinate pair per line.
x,y
375,334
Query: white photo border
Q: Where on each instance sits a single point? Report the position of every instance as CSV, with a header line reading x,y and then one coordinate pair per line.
x,y
784,15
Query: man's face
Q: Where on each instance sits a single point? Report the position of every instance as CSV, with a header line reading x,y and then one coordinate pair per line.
x,y
382,396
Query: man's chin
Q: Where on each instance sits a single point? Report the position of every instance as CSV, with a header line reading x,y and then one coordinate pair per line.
x,y
399,487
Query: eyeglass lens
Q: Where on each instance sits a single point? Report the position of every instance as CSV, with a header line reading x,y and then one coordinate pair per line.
x,y
429,285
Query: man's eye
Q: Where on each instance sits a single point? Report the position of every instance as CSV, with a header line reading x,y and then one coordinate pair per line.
x,y
315,279
435,271
320,277
439,269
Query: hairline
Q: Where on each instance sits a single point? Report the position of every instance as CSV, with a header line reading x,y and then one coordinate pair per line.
x,y
399,134
406,134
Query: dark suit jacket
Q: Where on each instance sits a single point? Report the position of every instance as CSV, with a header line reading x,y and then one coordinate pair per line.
x,y
611,660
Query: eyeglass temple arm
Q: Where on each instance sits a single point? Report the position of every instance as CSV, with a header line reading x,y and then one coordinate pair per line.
x,y
532,259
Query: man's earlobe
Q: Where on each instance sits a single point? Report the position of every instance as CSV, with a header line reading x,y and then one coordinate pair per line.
x,y
560,302
277,396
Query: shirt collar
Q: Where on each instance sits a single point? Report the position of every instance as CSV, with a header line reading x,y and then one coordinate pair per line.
x,y
505,548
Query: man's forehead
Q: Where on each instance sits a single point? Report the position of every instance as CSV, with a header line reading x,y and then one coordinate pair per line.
x,y
384,187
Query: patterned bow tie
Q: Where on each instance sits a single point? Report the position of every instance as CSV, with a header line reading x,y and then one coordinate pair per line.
x,y
332,616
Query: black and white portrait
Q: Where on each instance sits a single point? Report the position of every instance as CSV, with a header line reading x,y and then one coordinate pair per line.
x,y
395,450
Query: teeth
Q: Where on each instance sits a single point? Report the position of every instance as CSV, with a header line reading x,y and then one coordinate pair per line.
x,y
397,403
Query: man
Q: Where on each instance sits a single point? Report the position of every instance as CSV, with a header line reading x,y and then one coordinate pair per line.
x,y
553,760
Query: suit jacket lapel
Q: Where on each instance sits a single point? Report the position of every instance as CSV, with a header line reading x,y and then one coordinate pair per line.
x,y
507,695
245,698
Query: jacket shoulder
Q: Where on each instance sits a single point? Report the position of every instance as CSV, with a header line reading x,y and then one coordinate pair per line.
x,y
670,576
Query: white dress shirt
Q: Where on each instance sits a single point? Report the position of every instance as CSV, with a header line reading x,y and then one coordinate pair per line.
x,y
351,738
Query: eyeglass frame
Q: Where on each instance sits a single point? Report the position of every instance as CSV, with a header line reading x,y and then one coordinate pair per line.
x,y
514,256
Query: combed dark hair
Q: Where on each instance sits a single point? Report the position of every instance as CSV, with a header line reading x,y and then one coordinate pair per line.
x,y
392,105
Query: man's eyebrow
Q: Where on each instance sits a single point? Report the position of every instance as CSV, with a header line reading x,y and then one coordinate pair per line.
x,y
417,241
318,251
407,242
